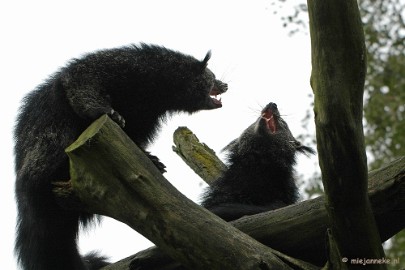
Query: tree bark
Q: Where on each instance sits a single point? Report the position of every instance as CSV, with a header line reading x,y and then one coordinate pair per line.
x,y
111,176
337,79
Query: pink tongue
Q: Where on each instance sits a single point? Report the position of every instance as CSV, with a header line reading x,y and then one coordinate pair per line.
x,y
271,123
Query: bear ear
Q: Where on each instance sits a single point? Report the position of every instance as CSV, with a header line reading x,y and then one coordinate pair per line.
x,y
204,63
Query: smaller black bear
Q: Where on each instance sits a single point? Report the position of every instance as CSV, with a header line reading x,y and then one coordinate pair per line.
x,y
259,178
260,175
142,84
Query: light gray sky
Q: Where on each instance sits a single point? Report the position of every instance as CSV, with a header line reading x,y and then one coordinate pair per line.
x,y
251,52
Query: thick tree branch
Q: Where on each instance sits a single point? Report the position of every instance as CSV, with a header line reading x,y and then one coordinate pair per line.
x,y
111,176
338,72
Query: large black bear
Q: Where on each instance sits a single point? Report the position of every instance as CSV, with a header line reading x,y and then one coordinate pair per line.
x,y
138,86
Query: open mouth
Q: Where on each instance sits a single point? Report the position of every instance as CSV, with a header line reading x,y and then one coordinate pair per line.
x,y
218,88
268,116
214,97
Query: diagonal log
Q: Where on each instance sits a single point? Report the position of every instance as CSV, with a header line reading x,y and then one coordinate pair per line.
x,y
111,176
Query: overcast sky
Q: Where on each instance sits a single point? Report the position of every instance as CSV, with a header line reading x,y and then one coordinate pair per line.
x,y
251,51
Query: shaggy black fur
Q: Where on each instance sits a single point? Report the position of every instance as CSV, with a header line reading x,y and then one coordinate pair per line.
x,y
137,86
260,176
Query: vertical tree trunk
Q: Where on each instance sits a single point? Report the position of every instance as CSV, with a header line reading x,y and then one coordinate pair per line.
x,y
337,79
